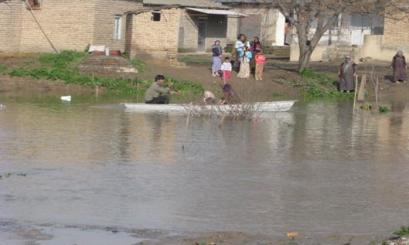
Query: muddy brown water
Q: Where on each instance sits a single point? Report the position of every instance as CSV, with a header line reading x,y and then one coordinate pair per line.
x,y
315,170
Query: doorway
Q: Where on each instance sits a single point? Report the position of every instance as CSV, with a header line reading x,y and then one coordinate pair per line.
x,y
202,33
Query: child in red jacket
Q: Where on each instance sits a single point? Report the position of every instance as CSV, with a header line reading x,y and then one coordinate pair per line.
x,y
260,61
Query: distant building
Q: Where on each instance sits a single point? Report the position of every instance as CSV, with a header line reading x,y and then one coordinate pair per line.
x,y
190,25
69,25
126,25
262,20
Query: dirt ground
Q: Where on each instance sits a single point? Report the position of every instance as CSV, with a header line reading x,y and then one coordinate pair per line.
x,y
22,86
275,86
278,73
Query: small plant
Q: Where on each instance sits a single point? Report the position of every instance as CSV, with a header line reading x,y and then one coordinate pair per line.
x,y
140,65
366,107
3,69
384,109
403,231
195,59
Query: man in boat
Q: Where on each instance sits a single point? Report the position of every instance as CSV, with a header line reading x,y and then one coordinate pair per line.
x,y
157,92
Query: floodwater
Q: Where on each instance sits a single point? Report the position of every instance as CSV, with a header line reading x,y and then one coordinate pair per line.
x,y
318,169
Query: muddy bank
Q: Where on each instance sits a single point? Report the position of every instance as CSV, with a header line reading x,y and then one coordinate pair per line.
x,y
54,234
23,86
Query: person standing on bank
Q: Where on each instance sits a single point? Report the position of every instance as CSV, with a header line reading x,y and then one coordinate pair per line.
x,y
399,67
245,64
157,92
347,74
239,48
217,57
260,61
256,46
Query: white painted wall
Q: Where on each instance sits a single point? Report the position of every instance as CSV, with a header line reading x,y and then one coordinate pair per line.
x,y
280,30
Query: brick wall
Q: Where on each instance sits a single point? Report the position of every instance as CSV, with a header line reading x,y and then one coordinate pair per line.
x,y
10,26
396,32
149,35
105,12
68,24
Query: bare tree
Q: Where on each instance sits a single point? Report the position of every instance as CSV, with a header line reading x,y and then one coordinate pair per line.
x,y
313,18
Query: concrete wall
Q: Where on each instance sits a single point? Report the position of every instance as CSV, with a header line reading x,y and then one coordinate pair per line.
x,y
188,33
374,48
10,26
105,12
264,23
232,29
68,23
150,36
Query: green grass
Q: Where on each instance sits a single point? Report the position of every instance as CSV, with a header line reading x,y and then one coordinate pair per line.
x,y
63,66
321,85
3,69
403,231
196,59
140,65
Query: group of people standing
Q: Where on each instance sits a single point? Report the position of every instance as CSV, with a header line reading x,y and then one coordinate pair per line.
x,y
347,72
245,56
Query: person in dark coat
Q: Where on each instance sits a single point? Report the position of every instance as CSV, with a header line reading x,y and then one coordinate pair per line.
x,y
217,52
256,46
347,74
399,67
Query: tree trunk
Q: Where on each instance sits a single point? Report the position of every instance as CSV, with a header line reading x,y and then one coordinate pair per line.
x,y
304,60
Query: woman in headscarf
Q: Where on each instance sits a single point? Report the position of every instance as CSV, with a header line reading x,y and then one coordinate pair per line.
x,y
399,67
256,46
217,57
245,64
238,53
347,74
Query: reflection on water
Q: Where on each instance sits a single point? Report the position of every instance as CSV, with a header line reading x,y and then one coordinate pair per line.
x,y
317,169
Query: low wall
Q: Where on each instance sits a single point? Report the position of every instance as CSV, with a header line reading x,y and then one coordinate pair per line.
x,y
373,47
319,53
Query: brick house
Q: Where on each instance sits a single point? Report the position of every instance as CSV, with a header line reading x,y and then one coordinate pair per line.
x,y
187,25
126,25
71,25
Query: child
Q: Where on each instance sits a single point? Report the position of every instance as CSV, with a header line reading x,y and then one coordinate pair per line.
x,y
260,61
228,94
226,68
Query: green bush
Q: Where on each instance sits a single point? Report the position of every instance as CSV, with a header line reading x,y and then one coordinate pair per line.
x,y
403,231
385,109
140,65
61,60
3,69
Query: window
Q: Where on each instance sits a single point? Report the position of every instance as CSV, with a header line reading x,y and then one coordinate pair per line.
x,y
34,4
156,16
118,27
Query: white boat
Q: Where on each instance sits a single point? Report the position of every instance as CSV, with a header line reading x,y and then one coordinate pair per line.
x,y
260,107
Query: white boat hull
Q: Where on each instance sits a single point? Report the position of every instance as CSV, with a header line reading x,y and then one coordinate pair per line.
x,y
260,107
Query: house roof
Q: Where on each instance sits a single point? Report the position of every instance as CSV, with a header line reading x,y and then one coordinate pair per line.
x,y
187,3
